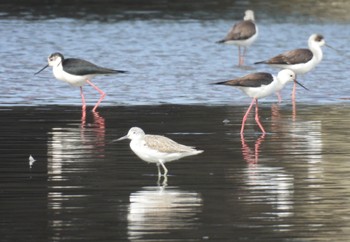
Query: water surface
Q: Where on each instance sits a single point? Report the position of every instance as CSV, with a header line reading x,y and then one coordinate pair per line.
x,y
288,185
172,57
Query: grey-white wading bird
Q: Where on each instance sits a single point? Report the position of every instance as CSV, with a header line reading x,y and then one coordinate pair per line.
x,y
258,85
300,61
77,72
243,34
157,149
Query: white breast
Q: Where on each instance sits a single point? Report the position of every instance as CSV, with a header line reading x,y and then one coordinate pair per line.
x,y
142,151
260,92
74,80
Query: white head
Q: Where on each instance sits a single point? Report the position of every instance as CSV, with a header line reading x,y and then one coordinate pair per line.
x,y
133,133
53,60
286,76
316,39
249,15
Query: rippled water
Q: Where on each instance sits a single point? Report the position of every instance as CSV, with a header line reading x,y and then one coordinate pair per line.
x,y
289,185
169,60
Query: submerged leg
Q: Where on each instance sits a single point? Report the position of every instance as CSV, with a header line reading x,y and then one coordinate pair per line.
x,y
82,99
279,97
165,181
246,115
103,94
257,117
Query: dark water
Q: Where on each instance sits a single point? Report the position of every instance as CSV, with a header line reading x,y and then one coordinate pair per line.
x,y
289,185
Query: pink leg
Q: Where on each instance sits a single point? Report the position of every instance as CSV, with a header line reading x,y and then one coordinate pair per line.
x,y
294,111
279,96
294,91
243,55
257,117
82,98
83,117
239,56
246,115
100,91
257,147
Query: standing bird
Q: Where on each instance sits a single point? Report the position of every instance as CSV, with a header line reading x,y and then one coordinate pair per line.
x,y
77,72
300,61
258,85
242,34
156,148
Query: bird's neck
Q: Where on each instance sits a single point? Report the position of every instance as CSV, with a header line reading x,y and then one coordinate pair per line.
x,y
137,139
279,84
316,51
58,71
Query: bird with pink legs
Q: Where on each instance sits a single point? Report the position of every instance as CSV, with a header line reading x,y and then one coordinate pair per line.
x,y
77,72
300,61
243,34
258,85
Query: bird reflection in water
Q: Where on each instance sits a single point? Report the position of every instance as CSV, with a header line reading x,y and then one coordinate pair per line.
x,y
164,182
249,155
76,141
157,211
98,127
83,116
72,148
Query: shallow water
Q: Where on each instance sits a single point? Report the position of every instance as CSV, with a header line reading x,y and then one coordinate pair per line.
x,y
289,185
172,57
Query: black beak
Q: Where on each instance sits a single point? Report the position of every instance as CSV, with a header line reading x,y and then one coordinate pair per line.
x,y
301,85
338,51
41,69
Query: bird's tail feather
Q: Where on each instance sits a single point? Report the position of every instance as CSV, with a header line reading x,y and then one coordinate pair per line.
x,y
219,83
198,152
120,71
220,41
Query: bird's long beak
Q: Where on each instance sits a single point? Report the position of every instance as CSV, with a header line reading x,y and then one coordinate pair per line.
x,y
41,69
301,85
333,48
121,138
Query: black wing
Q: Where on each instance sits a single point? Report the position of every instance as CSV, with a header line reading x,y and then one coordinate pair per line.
x,y
241,31
251,80
291,57
82,67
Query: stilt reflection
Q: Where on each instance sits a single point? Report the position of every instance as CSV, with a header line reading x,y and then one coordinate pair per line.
x,y
249,155
73,148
